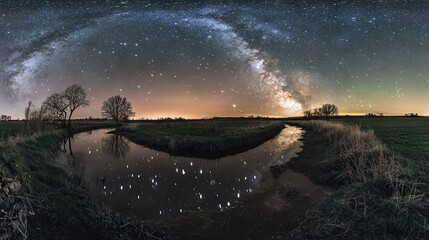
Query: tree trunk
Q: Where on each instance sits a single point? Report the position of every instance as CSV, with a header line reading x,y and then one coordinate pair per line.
x,y
63,122
69,121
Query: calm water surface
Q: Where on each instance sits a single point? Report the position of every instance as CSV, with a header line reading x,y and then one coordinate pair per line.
x,y
136,180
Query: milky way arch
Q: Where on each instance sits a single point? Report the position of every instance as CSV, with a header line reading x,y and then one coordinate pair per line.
x,y
234,58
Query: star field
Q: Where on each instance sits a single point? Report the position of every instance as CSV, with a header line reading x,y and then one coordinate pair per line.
x,y
218,59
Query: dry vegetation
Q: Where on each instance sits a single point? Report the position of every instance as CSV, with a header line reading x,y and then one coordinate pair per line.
x,y
38,200
362,156
377,198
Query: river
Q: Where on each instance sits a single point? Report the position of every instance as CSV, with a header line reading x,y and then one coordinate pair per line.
x,y
135,180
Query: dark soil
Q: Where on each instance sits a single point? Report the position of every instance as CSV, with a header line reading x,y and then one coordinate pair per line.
x,y
310,161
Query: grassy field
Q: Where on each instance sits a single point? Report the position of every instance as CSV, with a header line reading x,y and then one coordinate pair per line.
x,y
406,137
376,197
15,128
204,138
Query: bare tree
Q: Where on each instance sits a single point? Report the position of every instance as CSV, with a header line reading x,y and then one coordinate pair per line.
x,y
307,114
59,107
75,97
329,110
317,112
117,108
56,108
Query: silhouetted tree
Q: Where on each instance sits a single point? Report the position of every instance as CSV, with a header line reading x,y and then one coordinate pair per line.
x,y
317,112
307,114
60,107
56,108
412,115
329,110
75,97
117,108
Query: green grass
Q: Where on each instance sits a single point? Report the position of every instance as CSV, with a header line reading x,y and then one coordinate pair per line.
x,y
204,128
376,198
203,138
406,137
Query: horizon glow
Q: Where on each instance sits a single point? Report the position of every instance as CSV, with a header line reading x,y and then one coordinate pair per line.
x,y
200,59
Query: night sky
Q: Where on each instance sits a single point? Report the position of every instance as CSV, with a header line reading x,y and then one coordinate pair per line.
x,y
187,59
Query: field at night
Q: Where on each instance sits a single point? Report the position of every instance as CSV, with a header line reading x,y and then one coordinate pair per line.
x,y
406,137
129,119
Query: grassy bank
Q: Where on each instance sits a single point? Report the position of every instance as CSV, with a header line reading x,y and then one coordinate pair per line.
x,y
11,129
205,138
376,198
41,201
408,138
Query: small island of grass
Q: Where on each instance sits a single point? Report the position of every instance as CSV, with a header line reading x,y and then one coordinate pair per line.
x,y
212,138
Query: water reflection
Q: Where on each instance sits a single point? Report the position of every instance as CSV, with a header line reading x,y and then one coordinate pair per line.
x,y
115,145
66,146
150,184
69,160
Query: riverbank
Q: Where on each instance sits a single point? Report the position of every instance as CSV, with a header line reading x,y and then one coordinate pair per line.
x,y
209,139
310,160
375,196
407,137
41,201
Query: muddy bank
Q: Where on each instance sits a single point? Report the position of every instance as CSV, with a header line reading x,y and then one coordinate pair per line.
x,y
311,161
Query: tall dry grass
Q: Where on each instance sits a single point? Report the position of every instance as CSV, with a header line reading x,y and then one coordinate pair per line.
x,y
378,198
362,155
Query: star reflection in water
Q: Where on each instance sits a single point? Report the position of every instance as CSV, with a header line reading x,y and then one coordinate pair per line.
x,y
150,184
